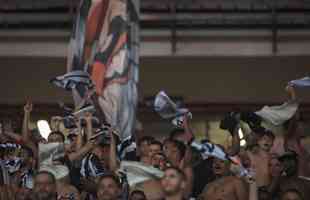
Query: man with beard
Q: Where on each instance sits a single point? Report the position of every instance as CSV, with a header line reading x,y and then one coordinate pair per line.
x,y
225,186
109,188
173,184
45,186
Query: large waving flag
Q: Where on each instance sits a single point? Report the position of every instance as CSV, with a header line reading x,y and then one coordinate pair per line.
x,y
104,46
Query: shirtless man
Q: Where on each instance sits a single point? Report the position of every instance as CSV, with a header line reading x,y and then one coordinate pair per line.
x,y
260,156
225,186
173,184
175,152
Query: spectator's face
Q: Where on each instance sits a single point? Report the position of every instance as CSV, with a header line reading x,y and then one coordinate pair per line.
x,y
44,187
275,167
158,161
172,182
265,143
291,196
171,152
144,148
154,149
220,167
55,138
101,154
108,189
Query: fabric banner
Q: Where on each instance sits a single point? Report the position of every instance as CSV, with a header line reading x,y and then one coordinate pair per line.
x,y
49,159
137,172
105,43
167,109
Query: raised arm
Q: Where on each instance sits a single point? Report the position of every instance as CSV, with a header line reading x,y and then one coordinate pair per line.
x,y
113,162
89,126
26,120
235,146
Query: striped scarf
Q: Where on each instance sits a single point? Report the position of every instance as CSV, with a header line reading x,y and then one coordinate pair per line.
x,y
91,166
69,80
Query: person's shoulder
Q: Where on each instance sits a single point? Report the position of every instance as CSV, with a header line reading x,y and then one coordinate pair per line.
x,y
236,180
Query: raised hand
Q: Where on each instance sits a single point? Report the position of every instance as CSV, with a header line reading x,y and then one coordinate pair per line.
x,y
28,107
88,116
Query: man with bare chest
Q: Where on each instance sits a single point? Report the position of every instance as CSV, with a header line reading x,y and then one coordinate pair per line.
x,y
226,186
260,157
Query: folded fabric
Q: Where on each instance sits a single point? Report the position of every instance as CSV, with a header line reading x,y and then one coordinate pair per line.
x,y
209,149
277,115
303,82
59,171
137,172
128,145
165,107
70,80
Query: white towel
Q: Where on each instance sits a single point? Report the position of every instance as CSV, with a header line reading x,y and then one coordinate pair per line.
x,y
277,115
137,172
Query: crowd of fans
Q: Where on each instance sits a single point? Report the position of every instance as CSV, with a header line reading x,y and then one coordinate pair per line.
x,y
93,165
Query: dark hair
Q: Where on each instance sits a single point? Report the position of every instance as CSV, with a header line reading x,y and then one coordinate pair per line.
x,y
49,174
115,178
58,133
178,170
156,142
180,146
265,132
176,132
145,139
138,192
292,191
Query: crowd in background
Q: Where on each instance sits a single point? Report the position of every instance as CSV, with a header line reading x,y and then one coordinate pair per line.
x,y
92,164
